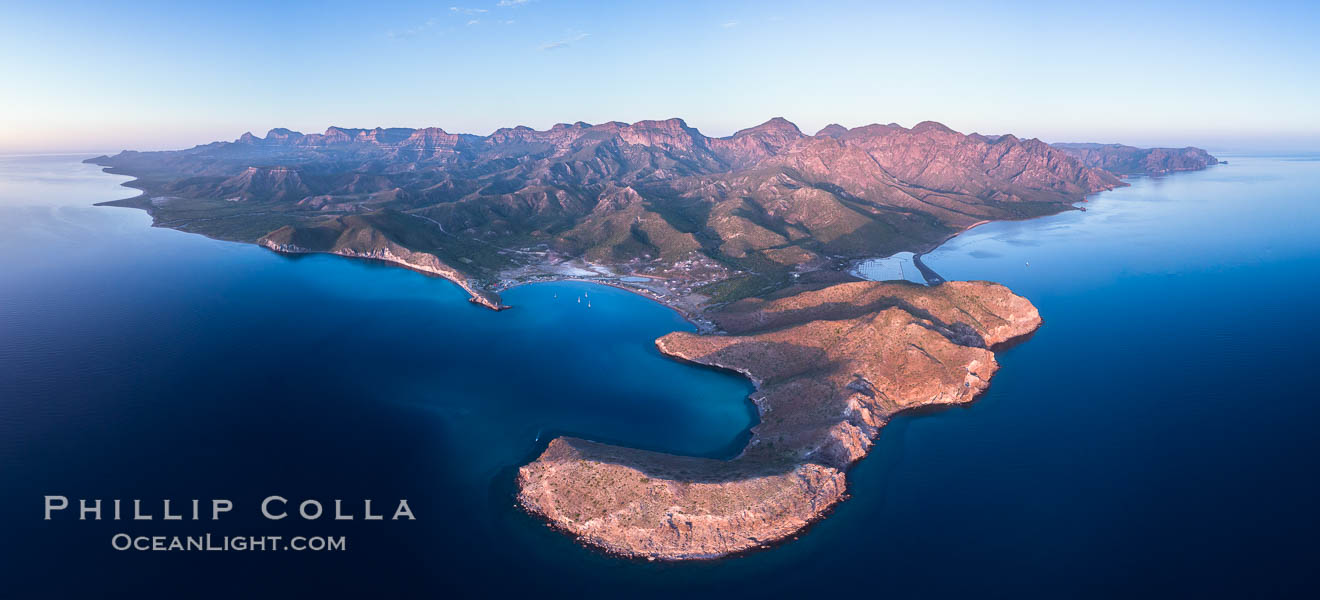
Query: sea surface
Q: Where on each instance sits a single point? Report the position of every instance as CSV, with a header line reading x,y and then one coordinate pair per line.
x,y
1157,436
889,268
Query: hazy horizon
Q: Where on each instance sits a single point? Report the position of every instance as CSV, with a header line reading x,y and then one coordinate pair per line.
x,y
160,76
1262,145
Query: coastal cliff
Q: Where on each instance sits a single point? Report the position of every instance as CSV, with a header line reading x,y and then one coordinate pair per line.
x,y
355,239
831,367
417,261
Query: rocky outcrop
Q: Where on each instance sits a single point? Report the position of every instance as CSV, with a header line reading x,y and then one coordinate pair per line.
x,y
833,130
750,146
831,367
675,511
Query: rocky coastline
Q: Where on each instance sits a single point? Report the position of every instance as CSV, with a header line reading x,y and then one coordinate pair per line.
x,y
416,261
831,368
747,236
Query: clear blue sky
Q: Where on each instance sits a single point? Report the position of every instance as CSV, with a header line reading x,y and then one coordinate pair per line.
x,y
91,76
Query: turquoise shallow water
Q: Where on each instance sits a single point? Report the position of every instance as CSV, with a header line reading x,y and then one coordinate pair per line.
x,y
1155,437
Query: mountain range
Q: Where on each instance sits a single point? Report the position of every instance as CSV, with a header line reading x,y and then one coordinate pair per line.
x,y
764,206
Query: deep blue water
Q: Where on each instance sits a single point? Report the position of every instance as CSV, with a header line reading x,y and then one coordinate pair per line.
x,y
1157,436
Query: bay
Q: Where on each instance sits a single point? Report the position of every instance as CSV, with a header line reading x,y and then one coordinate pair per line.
x,y
1154,437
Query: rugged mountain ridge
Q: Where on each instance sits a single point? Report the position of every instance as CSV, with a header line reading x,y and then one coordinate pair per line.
x,y
1130,160
744,234
765,203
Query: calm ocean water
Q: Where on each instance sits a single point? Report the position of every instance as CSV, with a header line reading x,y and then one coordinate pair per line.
x,y
1157,436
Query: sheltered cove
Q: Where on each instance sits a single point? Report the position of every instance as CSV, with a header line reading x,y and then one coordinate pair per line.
x,y
745,235
831,367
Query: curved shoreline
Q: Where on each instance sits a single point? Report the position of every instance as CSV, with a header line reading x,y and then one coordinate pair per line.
x,y
701,324
710,509
770,500
475,295
696,321
476,292
649,505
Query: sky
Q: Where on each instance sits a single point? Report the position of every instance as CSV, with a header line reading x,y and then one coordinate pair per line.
x,y
98,76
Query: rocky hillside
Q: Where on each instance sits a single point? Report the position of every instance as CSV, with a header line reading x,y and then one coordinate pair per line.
x,y
831,367
1128,160
765,202
746,235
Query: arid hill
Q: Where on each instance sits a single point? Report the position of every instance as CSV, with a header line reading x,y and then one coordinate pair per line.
x,y
746,235
763,203
1128,160
831,366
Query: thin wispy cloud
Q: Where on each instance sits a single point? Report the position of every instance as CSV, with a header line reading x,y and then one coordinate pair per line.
x,y
729,24
466,11
508,3
564,43
472,22
412,31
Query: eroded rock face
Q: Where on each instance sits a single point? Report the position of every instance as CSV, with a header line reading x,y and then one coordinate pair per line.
x,y
672,507
831,366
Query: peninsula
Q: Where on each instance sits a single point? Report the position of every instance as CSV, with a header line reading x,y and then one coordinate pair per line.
x,y
831,367
749,236
656,206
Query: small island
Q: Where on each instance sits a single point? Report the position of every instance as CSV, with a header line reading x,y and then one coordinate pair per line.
x,y
749,236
